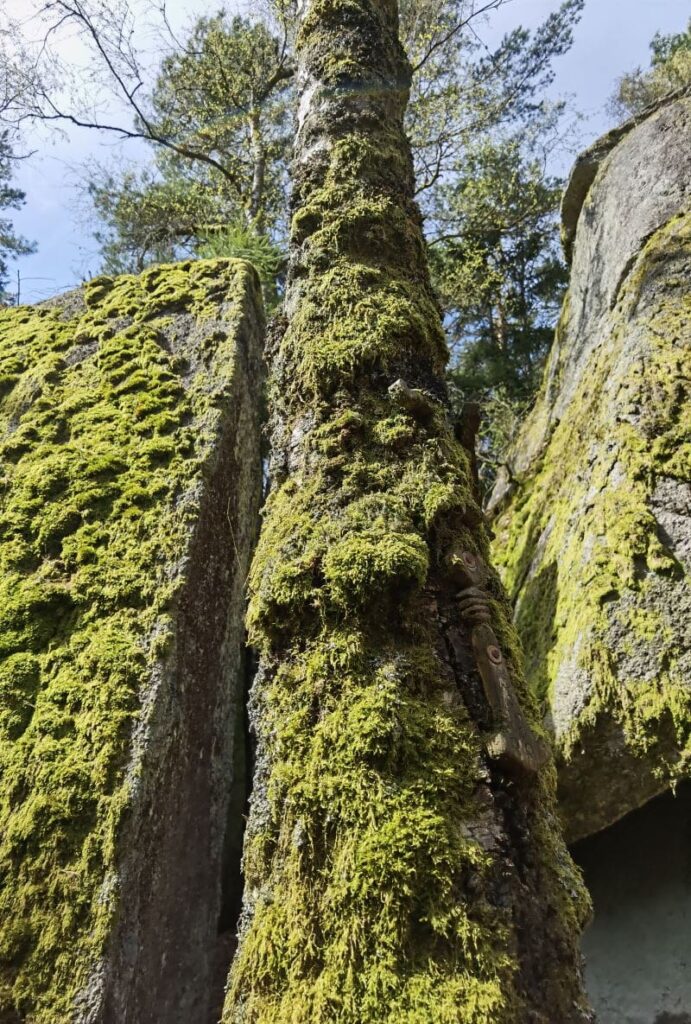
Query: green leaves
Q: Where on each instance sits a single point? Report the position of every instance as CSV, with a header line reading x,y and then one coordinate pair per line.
x,y
483,139
238,241
462,92
217,117
670,69
500,275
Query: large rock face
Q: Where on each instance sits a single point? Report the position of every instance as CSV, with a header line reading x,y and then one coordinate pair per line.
x,y
129,483
593,528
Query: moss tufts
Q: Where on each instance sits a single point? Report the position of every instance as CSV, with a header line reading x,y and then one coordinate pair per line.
x,y
107,421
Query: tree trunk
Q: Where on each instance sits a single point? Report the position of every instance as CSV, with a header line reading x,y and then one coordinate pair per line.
x,y
403,862
256,208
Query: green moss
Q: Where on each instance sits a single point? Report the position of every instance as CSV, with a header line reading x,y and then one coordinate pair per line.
x,y
371,846
580,534
375,762
105,433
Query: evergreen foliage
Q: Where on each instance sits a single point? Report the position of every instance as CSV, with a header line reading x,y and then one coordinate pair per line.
x,y
483,141
500,275
221,99
11,198
499,270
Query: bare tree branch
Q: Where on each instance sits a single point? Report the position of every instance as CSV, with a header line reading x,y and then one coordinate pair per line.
x,y
454,30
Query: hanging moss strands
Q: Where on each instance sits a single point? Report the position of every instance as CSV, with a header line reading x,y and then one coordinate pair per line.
x,y
403,860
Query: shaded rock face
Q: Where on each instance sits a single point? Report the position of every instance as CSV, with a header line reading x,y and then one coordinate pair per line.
x,y
130,479
592,517
638,963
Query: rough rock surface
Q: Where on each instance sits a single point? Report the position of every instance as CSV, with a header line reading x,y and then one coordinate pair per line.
x,y
593,513
637,947
129,483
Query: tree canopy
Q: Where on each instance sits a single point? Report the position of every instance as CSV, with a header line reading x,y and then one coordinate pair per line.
x,y
221,103
483,138
216,112
11,198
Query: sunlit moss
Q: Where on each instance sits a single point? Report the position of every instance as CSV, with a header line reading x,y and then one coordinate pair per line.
x,y
107,422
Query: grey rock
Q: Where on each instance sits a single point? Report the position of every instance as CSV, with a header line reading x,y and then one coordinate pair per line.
x,y
593,514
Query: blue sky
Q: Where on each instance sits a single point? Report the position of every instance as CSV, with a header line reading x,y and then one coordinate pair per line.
x,y
612,38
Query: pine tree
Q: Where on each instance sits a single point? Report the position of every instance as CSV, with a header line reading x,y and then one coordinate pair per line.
x,y
670,69
11,198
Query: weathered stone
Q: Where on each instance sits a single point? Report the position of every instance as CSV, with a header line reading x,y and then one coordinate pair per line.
x,y
637,947
593,532
588,164
129,484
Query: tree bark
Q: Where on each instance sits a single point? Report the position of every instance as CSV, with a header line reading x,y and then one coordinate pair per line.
x,y
256,208
403,862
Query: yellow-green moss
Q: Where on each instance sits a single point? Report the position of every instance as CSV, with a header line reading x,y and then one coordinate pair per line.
x,y
363,247
375,769
580,530
106,423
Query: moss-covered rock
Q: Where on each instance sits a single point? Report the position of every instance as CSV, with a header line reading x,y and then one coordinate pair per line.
x,y
129,483
593,520
396,871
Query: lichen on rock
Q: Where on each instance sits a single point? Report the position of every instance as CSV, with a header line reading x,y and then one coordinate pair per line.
x,y
594,530
129,482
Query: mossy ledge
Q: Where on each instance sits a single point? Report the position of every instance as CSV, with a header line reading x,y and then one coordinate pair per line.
x,y
394,874
129,485
593,544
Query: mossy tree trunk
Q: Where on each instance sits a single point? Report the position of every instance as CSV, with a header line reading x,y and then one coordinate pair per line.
x,y
402,860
